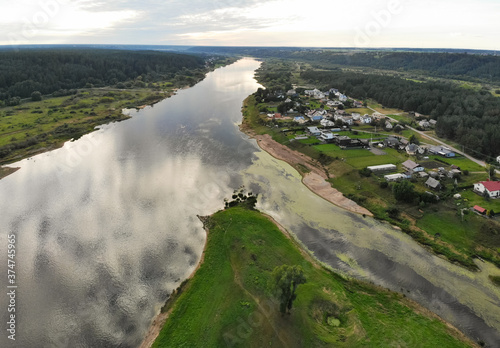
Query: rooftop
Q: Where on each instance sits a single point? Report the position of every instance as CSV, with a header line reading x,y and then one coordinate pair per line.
x,y
491,185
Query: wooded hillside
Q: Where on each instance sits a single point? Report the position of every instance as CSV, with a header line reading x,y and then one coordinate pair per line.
x,y
51,70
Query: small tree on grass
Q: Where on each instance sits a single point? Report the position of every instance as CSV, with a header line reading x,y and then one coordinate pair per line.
x,y
285,281
413,139
36,96
404,191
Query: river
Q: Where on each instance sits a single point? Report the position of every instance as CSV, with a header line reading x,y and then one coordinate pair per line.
x,y
106,226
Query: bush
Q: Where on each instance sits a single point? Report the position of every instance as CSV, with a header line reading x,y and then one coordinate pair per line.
x,y
384,184
365,172
404,191
36,96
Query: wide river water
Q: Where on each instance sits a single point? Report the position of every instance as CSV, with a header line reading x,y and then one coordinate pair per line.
x,y
106,226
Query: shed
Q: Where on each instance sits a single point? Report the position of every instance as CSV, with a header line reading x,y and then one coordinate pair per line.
x,y
479,209
394,177
383,168
433,184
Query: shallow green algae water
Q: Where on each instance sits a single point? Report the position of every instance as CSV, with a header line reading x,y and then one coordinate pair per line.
x,y
368,249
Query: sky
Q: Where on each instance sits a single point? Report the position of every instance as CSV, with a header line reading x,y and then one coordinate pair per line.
x,y
462,24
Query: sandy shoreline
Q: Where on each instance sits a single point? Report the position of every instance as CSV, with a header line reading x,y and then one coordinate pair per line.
x,y
315,180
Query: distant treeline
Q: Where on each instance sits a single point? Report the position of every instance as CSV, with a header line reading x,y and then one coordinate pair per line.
x,y
471,118
52,70
463,66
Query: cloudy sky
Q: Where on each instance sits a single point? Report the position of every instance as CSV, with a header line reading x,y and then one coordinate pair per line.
x,y
324,23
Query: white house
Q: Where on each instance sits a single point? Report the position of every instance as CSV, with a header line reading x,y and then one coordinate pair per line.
x,y
342,97
314,131
412,149
498,159
347,120
388,125
326,123
366,119
491,187
326,136
424,124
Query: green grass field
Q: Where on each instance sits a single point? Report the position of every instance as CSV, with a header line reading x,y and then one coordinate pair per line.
x,y
361,111
462,162
451,228
228,302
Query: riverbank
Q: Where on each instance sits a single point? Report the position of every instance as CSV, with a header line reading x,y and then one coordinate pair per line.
x,y
314,175
335,178
34,127
228,301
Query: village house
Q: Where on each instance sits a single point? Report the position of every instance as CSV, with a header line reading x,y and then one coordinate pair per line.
x,y
433,184
333,103
327,123
391,142
357,104
342,97
498,159
299,119
316,115
388,125
413,149
424,124
491,188
366,119
412,166
347,120
442,151
327,136
313,131
356,116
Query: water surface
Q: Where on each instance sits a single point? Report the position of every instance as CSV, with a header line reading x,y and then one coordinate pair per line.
x,y
107,225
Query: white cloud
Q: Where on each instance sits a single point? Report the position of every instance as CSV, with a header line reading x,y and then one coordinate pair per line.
x,y
56,19
417,23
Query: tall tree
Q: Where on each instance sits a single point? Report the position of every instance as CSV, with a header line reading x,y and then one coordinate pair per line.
x,y
286,279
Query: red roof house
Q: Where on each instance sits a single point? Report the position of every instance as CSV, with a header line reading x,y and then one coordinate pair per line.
x,y
492,188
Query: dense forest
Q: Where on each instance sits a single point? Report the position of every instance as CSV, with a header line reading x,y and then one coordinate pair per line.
x,y
463,66
51,70
469,117
448,65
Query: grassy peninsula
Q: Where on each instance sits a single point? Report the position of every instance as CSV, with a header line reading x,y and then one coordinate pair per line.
x,y
228,302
